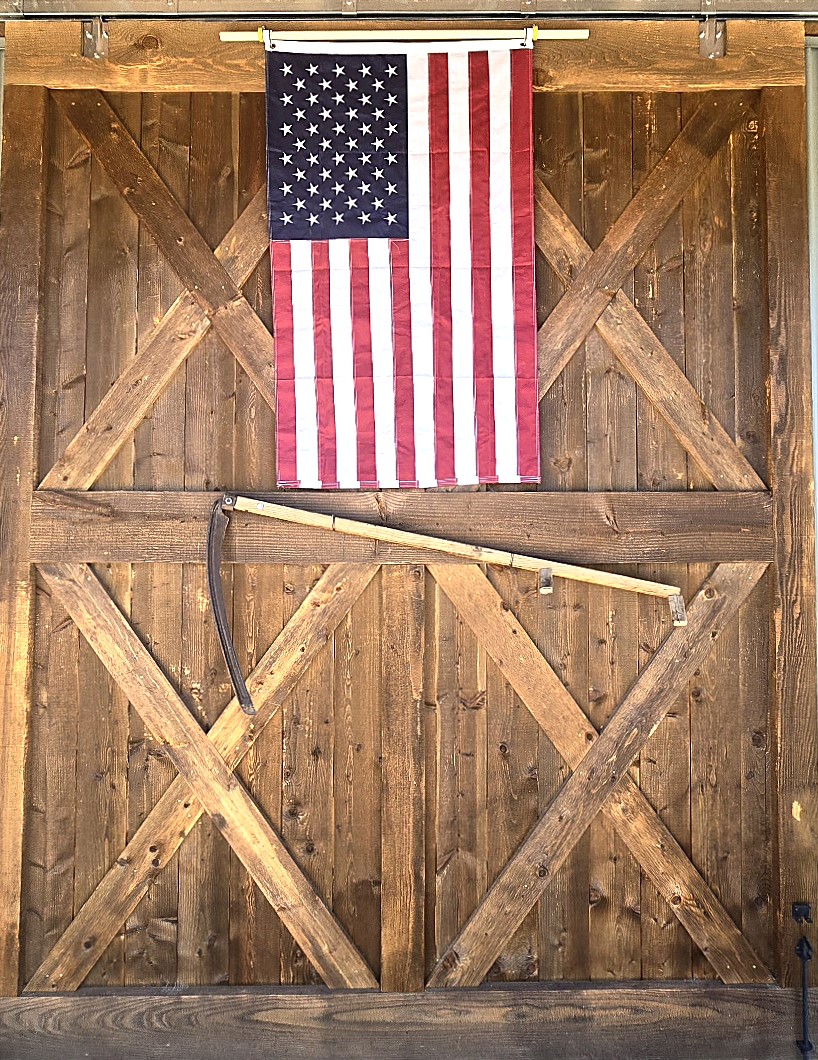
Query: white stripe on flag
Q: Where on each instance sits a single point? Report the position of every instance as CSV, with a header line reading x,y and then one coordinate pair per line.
x,y
420,282
343,368
383,361
465,433
306,404
502,274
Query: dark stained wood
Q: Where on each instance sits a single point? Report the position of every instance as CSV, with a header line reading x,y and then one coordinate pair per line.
x,y
664,766
605,527
209,460
176,813
185,249
172,340
645,359
51,777
22,235
151,933
795,740
643,1022
188,57
599,771
560,623
598,282
564,723
403,783
196,757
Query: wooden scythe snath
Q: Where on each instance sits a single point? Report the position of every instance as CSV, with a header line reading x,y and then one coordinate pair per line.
x,y
546,569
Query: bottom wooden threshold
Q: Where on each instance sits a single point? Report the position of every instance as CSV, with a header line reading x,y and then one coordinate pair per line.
x,y
639,1021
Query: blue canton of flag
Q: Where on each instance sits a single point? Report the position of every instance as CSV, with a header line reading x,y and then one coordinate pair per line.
x,y
337,146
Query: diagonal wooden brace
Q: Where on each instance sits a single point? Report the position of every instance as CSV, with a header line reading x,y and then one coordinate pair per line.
x,y
637,227
166,349
600,780
206,763
643,356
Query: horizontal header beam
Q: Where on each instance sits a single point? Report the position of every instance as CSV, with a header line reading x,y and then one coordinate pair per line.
x,y
179,56
587,528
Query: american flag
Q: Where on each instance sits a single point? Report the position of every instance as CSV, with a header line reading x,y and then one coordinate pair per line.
x,y
401,226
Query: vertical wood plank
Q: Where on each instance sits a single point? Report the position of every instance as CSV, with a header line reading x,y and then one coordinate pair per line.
x,y
156,605
563,927
204,860
102,771
614,877
513,790
711,366
403,788
358,698
22,233
51,797
662,465
791,471
258,599
751,331
308,820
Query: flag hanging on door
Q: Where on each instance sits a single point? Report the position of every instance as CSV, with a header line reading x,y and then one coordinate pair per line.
x,y
400,191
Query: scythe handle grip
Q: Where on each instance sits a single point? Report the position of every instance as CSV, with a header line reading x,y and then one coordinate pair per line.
x,y
219,521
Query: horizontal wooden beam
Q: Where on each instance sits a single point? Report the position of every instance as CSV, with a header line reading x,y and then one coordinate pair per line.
x,y
165,56
594,528
643,1021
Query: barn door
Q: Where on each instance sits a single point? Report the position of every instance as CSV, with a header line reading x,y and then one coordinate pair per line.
x,y
447,779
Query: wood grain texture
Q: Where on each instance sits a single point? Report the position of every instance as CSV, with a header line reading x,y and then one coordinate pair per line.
x,y
618,56
794,714
596,285
164,351
203,767
403,782
605,527
176,813
645,358
643,1022
22,236
637,717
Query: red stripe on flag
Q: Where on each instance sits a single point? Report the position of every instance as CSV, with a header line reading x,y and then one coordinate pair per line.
x,y
286,459
362,364
479,125
522,210
441,234
324,386
402,353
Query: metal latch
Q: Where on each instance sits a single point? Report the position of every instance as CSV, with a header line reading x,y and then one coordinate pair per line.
x,y
95,39
712,36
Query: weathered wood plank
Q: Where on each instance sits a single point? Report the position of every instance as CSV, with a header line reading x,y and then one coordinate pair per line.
x,y
209,403
559,625
22,235
591,1023
156,598
645,358
664,766
403,783
642,1022
626,242
604,527
198,760
185,249
572,734
174,816
171,342
152,56
307,803
794,715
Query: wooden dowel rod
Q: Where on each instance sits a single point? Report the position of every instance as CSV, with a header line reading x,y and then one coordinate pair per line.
x,y
244,36
475,553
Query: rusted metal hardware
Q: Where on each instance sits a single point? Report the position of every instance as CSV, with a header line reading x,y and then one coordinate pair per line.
x,y
94,39
216,531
